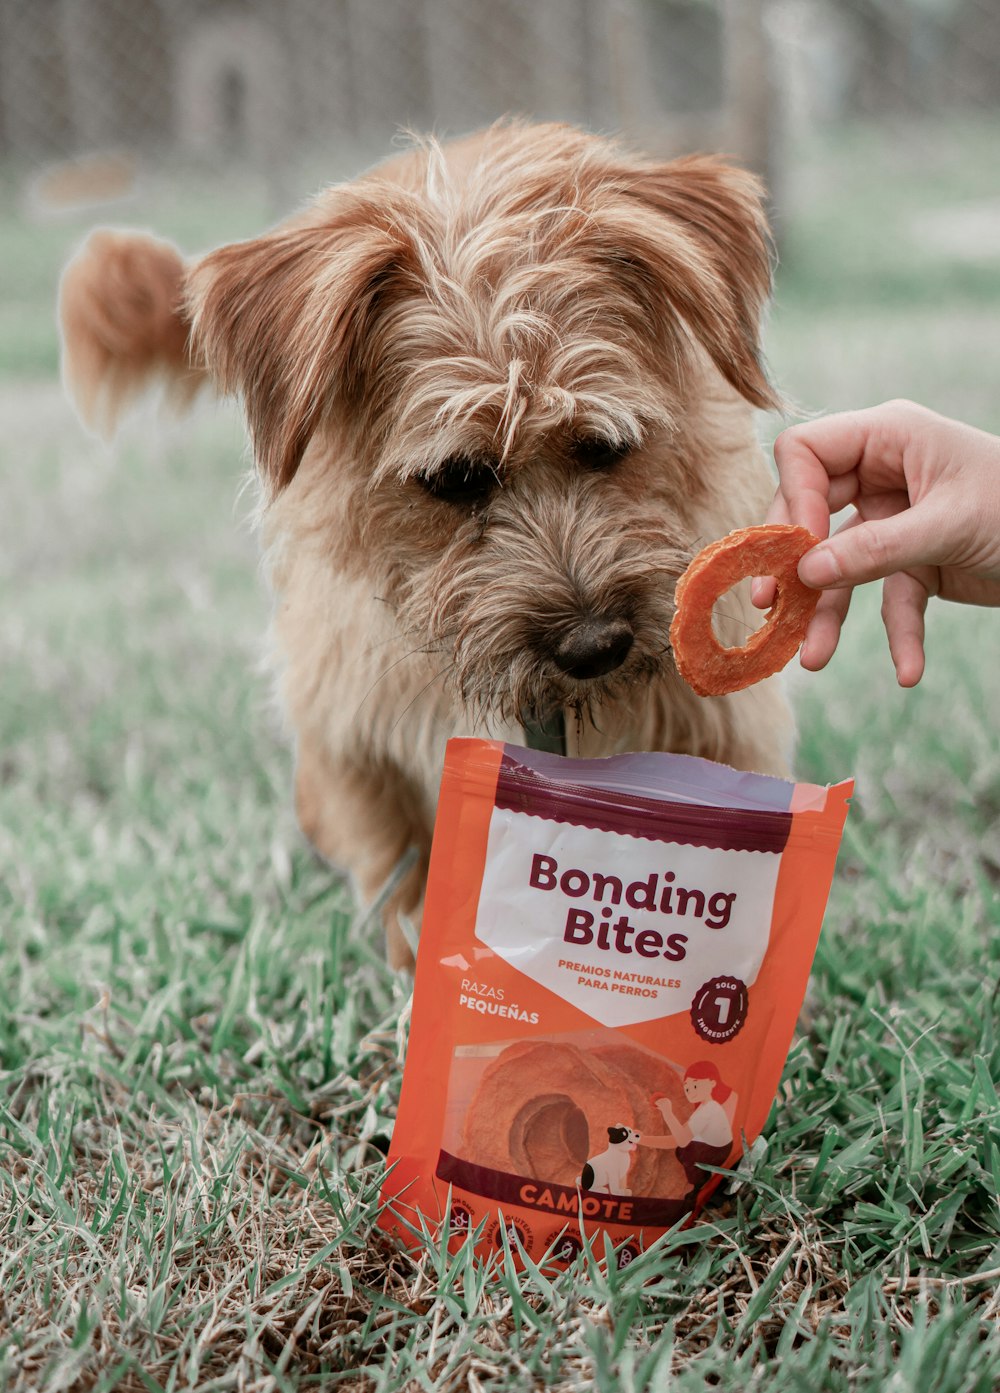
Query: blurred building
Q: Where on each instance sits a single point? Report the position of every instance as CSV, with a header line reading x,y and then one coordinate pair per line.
x,y
260,78
266,80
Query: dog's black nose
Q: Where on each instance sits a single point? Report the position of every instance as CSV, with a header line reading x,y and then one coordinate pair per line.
x,y
594,647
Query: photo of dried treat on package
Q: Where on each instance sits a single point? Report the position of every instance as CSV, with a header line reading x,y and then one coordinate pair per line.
x,y
583,1111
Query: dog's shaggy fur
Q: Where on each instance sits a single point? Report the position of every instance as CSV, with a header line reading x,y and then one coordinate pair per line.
x,y
499,392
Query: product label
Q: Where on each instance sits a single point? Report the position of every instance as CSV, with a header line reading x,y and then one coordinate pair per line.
x,y
625,928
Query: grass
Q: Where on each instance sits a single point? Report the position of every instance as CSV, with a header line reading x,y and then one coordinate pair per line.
x,y
200,1047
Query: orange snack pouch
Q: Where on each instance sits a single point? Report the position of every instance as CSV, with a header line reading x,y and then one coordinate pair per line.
x,y
613,957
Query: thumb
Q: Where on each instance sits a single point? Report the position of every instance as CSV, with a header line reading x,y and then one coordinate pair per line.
x,y
869,551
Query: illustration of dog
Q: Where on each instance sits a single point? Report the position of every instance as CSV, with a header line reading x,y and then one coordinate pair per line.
x,y
608,1172
499,392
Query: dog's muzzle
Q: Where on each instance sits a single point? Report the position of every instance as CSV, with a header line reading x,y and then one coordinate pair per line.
x,y
592,648
595,647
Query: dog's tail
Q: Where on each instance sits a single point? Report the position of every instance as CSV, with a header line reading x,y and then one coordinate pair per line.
x,y
124,325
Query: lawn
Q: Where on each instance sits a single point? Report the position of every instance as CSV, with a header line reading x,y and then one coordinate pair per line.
x,y
200,1045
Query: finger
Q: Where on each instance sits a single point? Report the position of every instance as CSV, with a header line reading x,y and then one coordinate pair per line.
x,y
872,550
852,521
823,634
904,600
778,511
763,589
844,489
872,506
872,442
804,483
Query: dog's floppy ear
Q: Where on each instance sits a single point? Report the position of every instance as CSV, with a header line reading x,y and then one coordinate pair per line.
x,y
286,320
701,241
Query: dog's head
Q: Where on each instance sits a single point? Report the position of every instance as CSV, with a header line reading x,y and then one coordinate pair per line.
x,y
479,363
623,1136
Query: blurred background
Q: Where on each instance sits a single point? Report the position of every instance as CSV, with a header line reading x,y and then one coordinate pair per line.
x,y
876,124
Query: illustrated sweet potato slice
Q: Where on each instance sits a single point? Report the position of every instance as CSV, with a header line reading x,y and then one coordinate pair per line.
x,y
543,1110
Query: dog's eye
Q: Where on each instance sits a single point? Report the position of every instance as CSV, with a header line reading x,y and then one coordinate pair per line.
x,y
596,452
461,480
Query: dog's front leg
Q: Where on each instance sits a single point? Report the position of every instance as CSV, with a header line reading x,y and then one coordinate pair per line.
x,y
363,816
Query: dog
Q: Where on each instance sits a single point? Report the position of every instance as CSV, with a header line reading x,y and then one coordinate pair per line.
x,y
499,392
608,1172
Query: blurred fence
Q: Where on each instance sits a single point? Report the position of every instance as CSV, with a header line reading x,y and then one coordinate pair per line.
x,y
266,80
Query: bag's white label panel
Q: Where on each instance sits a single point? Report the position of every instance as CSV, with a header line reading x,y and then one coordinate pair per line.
x,y
624,928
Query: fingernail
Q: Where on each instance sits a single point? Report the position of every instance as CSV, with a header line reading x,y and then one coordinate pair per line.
x,y
819,567
756,590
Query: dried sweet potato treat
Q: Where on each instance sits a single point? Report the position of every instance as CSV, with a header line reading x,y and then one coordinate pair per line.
x,y
612,960
707,666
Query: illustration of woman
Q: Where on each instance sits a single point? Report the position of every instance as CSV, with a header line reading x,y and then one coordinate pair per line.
x,y
706,1138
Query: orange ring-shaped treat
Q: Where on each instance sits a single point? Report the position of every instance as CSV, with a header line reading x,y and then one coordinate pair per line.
x,y
709,668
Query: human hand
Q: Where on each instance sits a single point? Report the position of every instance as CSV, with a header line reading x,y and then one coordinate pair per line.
x,y
926,495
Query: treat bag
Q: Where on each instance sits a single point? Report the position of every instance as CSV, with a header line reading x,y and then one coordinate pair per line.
x,y
613,957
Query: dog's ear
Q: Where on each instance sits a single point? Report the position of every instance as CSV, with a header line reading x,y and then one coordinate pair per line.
x,y
694,239
286,321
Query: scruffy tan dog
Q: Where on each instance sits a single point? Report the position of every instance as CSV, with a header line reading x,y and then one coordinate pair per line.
x,y
499,392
